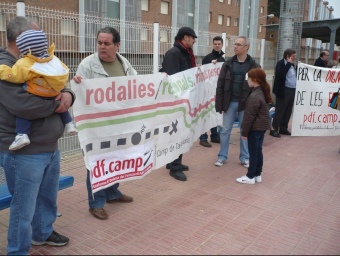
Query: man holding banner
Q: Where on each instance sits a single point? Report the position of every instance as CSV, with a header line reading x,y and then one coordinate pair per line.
x,y
107,62
179,58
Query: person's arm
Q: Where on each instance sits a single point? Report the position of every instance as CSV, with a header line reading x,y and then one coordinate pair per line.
x,y
220,89
171,63
281,70
16,74
25,105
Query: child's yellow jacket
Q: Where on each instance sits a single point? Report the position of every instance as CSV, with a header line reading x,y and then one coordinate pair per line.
x,y
44,77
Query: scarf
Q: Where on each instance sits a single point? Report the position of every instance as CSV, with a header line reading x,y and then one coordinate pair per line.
x,y
191,53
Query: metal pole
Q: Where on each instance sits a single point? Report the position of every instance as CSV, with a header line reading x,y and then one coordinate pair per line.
x,y
263,43
20,8
155,47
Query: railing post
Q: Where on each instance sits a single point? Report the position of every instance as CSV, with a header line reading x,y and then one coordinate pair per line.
x,y
20,8
224,37
263,42
155,47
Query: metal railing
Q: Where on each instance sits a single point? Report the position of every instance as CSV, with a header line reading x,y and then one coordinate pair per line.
x,y
75,36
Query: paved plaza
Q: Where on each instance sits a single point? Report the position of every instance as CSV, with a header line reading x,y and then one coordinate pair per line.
x,y
295,210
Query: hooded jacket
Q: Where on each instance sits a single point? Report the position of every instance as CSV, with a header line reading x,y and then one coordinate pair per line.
x,y
46,127
214,55
256,114
45,77
225,84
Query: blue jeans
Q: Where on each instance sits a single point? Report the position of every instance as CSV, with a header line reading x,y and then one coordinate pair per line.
x,y
33,181
213,136
99,198
228,121
255,142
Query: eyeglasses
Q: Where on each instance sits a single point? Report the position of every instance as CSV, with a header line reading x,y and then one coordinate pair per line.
x,y
239,44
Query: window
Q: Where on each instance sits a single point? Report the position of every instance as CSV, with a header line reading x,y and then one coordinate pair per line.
x,y
221,1
261,10
260,28
237,2
113,9
163,36
220,19
143,35
164,7
236,22
209,17
229,2
145,5
68,27
271,35
190,19
2,22
228,21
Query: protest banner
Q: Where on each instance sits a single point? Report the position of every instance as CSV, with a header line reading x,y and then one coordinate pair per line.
x,y
312,115
129,126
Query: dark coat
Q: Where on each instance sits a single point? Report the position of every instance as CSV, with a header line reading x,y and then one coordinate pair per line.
x,y
320,63
176,59
256,114
281,71
225,83
213,56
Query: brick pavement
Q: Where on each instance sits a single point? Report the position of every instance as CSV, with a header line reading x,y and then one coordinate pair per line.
x,y
295,210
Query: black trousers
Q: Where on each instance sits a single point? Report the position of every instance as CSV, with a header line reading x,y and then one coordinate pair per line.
x,y
283,110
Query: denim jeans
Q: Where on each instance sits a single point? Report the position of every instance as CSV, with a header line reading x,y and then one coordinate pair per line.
x,y
33,181
255,142
213,136
99,198
228,121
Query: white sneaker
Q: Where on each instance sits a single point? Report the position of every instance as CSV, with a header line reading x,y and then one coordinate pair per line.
x,y
244,179
219,162
71,129
245,164
21,140
258,179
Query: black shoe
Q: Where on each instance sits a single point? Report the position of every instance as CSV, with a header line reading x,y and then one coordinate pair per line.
x,y
274,133
184,167
285,132
178,175
54,240
216,141
205,143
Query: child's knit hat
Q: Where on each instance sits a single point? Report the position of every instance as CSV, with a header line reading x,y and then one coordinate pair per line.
x,y
34,40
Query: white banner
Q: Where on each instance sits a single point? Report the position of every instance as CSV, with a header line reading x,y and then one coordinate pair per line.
x,y
129,126
312,115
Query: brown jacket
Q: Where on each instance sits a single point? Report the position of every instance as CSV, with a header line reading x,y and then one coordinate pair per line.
x,y
256,114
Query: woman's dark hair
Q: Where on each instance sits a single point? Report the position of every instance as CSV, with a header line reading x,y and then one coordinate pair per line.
x,y
258,75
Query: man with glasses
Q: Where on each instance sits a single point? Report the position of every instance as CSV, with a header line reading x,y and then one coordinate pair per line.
x,y
231,94
215,56
322,60
179,58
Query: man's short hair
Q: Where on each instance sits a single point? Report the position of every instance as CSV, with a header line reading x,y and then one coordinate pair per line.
x,y
323,53
218,38
288,52
110,30
245,39
16,26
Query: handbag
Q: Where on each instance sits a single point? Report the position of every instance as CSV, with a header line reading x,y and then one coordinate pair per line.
x,y
335,100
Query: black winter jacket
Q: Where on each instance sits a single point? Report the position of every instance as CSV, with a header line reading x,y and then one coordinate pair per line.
x,y
281,71
224,85
213,56
176,59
